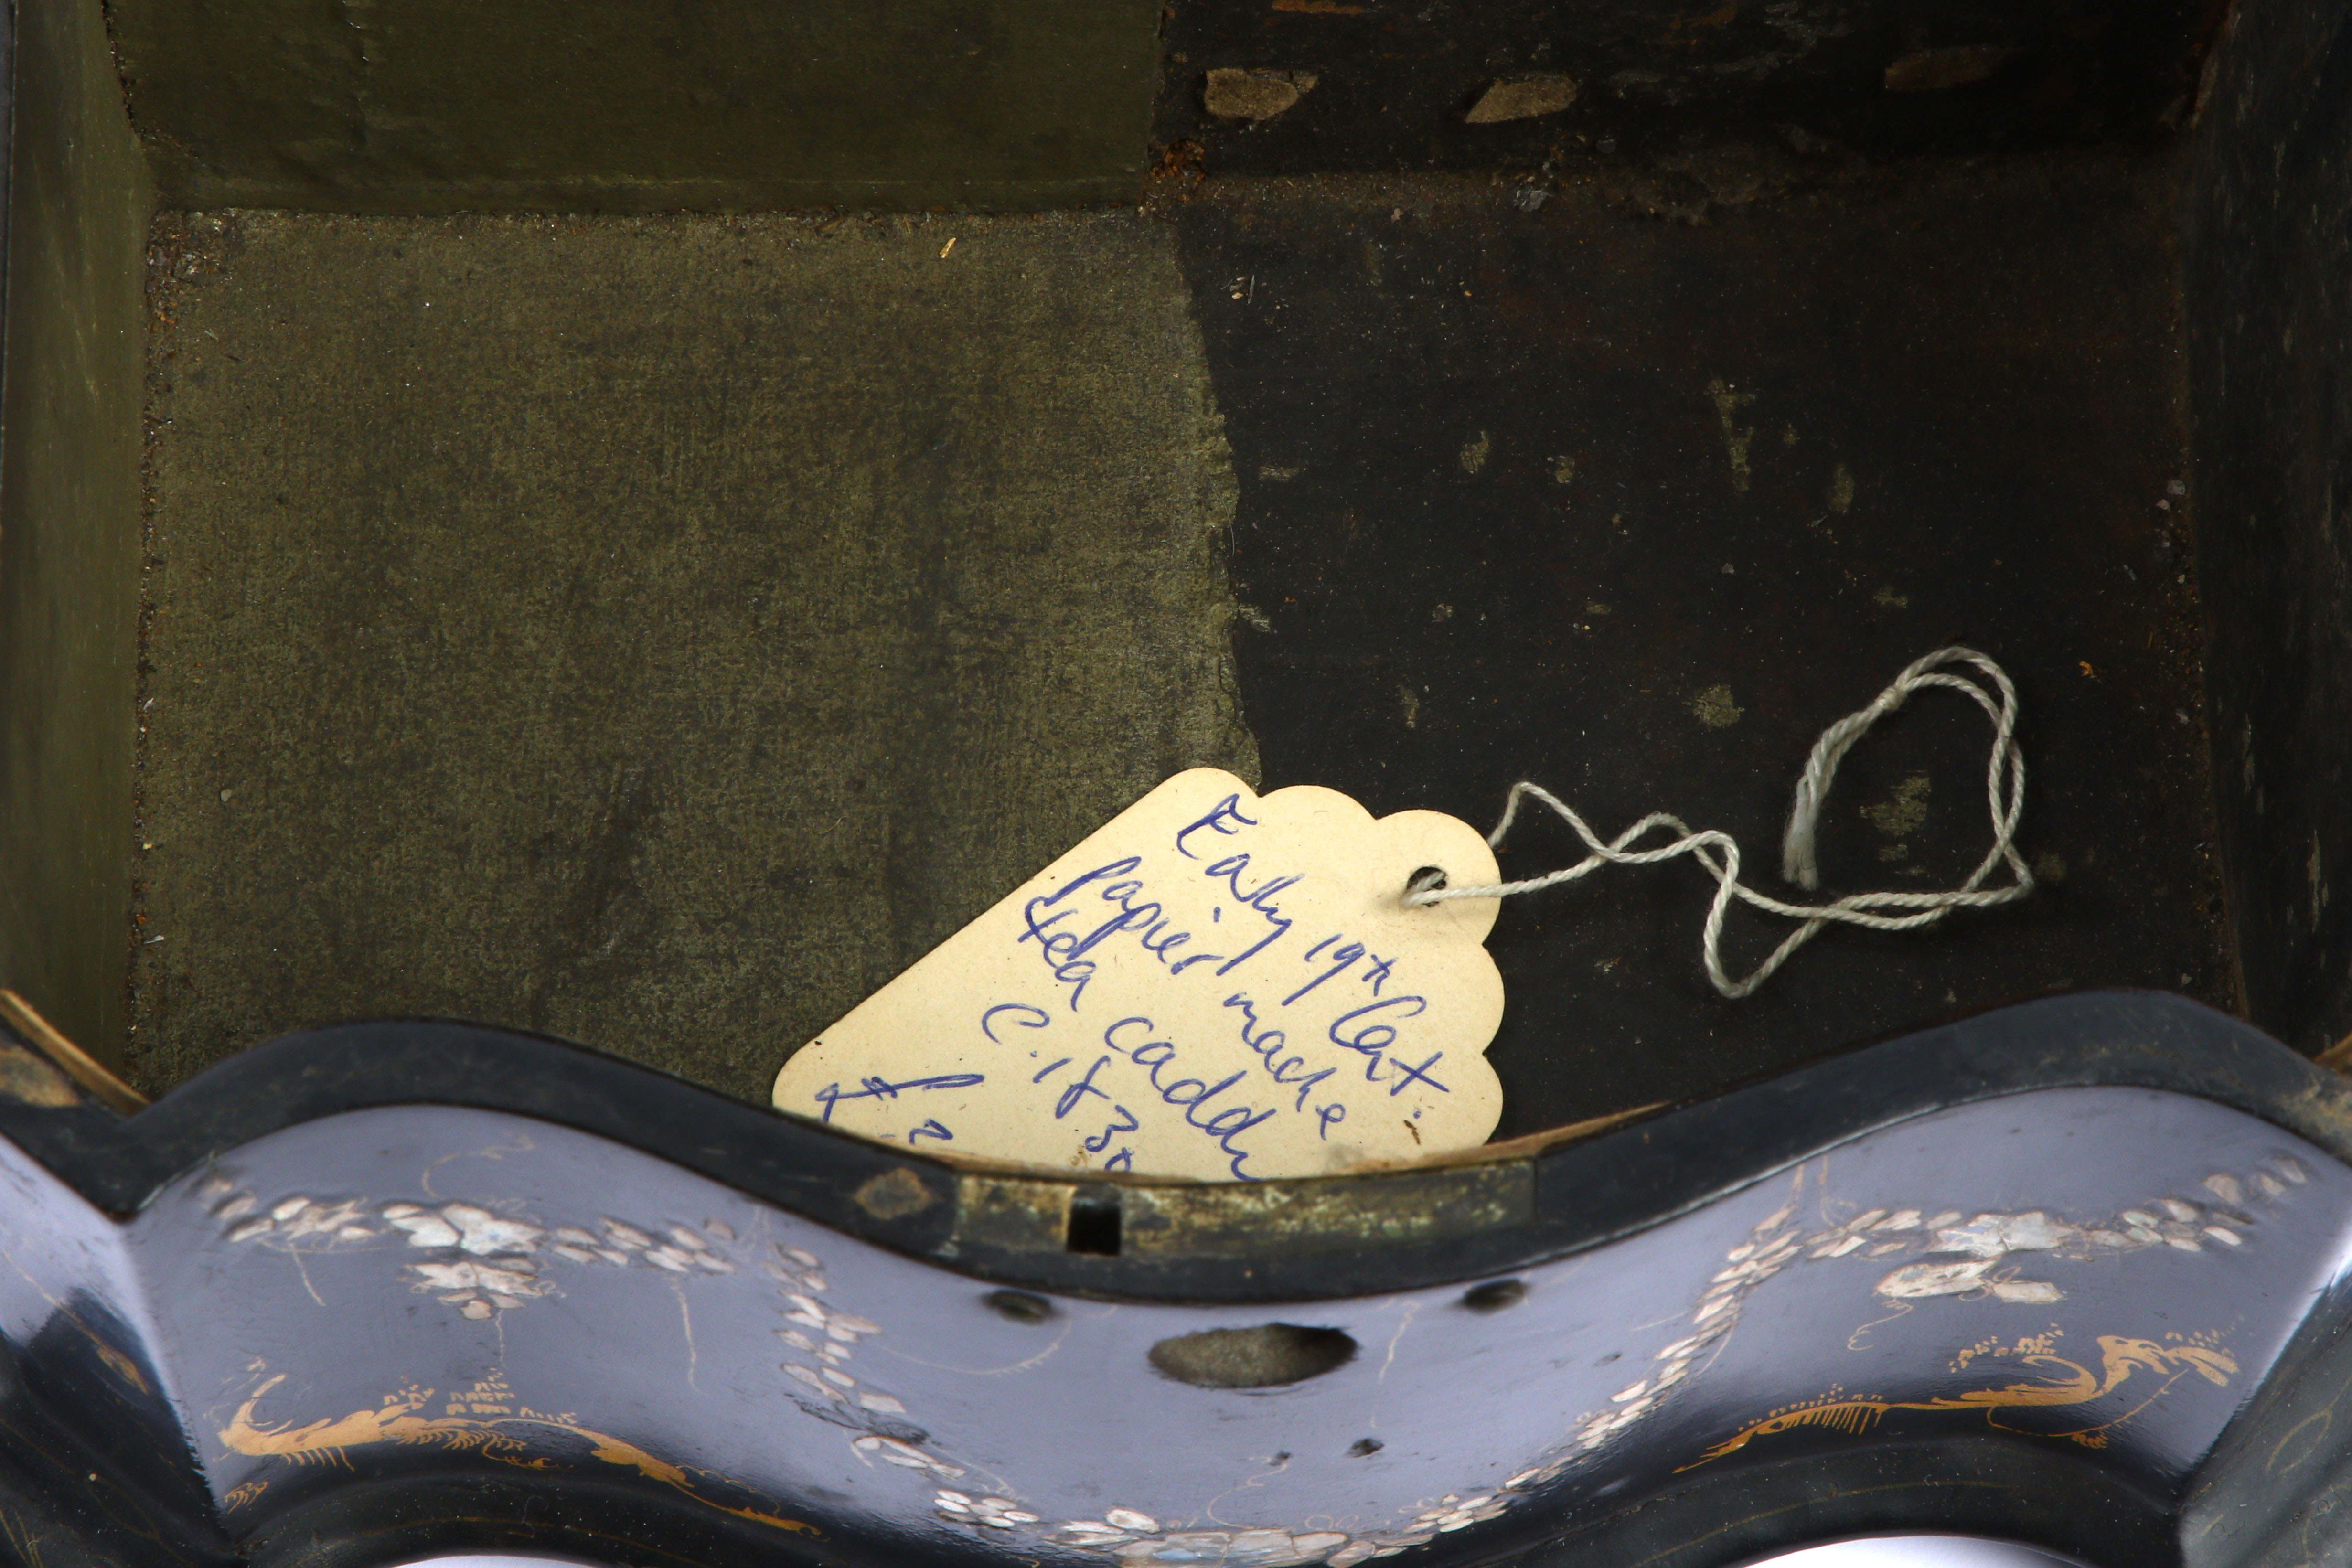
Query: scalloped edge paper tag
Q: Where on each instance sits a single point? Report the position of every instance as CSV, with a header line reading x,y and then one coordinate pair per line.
x,y
1215,983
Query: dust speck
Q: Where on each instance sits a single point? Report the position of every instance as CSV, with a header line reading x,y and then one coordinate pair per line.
x,y
1842,489
1902,812
1411,705
1729,401
2049,866
1474,453
1713,707
894,1195
1934,71
1563,470
1522,97
1887,599
1230,94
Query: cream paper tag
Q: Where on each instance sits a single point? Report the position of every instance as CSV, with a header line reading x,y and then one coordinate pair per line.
x,y
1214,984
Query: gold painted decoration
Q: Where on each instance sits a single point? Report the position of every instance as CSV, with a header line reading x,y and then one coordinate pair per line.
x,y
1925,1257
492,1261
2070,1386
483,1419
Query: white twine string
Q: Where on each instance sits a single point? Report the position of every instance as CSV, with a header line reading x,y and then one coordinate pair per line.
x,y
2004,797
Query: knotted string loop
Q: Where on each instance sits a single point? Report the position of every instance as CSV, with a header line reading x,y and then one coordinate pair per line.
x,y
2005,798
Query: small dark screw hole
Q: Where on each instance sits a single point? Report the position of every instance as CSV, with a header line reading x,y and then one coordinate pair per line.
x,y
1495,1296
1364,1447
1019,1307
1094,1221
1428,879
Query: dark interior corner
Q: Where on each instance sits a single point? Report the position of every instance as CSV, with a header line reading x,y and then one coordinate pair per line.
x,y
544,519
2268,226
78,202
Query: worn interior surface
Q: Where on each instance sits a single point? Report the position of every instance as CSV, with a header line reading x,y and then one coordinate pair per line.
x,y
1391,88
2269,242
1636,508
660,631
76,229
654,632
610,106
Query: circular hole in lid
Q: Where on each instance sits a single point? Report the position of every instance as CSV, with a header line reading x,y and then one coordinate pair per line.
x,y
1019,1306
1495,1295
1266,1356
